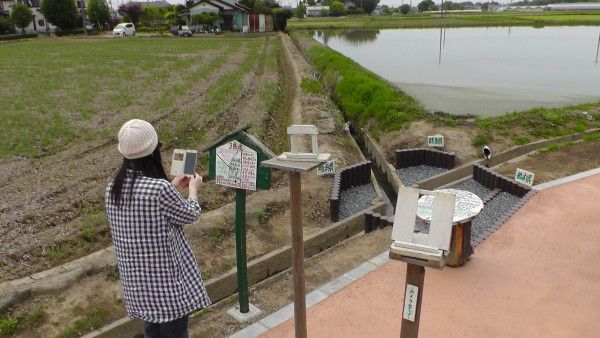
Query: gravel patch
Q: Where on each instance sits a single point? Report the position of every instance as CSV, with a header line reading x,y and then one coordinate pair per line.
x,y
412,175
496,208
473,186
356,199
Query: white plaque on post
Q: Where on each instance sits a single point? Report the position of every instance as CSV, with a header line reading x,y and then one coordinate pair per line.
x,y
410,302
436,141
236,166
524,176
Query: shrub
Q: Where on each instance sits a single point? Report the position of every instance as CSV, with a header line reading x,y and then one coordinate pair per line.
x,y
337,9
280,17
17,37
405,9
6,26
61,13
22,16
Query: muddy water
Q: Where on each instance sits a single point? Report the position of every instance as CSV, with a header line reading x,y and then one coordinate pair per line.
x,y
480,71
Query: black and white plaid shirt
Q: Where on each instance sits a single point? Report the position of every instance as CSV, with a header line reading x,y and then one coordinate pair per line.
x,y
159,273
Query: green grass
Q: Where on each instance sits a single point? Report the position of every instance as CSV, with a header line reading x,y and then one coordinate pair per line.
x,y
312,86
54,99
557,146
94,319
10,324
362,95
591,138
451,20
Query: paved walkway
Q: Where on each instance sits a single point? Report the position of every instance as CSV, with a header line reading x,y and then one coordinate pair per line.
x,y
537,276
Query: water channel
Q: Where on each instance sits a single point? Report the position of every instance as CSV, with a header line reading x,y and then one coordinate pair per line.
x,y
480,71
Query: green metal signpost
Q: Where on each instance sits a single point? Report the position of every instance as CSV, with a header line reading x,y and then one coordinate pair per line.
x,y
233,162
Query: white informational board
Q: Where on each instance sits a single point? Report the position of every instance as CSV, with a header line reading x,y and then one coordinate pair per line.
x,y
410,302
236,166
524,176
327,168
436,141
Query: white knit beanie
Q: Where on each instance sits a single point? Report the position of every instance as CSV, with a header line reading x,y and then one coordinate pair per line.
x,y
137,139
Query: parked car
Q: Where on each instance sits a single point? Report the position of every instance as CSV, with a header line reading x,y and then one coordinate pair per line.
x,y
184,31
124,29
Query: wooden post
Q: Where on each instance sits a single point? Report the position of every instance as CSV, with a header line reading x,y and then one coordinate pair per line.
x,y
415,276
297,254
460,245
240,249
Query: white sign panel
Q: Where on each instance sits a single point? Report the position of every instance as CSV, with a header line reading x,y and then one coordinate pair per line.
x,y
326,168
410,302
524,176
435,141
236,166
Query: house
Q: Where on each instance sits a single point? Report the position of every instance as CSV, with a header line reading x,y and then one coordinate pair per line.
x,y
316,10
39,24
157,4
233,16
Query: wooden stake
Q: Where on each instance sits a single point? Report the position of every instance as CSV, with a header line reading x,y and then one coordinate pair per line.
x,y
297,254
415,275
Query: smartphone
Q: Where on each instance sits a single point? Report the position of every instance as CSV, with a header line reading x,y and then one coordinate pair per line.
x,y
184,162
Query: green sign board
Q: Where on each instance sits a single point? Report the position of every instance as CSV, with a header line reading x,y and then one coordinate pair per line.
x,y
239,149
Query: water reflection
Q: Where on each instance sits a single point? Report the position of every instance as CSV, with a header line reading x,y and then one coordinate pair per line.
x,y
355,37
481,71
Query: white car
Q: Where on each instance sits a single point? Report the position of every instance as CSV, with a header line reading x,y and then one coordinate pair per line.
x,y
124,29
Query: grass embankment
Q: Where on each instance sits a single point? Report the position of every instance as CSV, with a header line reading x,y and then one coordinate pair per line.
x,y
362,95
450,20
381,107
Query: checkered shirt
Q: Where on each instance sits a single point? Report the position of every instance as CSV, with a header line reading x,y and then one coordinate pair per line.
x,y
159,274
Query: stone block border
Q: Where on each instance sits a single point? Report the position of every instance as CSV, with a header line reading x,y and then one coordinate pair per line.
x,y
346,178
375,220
422,156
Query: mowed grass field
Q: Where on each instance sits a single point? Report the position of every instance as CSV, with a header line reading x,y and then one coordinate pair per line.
x,y
63,100
450,20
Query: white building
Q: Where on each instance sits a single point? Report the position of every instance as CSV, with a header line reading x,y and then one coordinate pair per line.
x,y
315,10
39,24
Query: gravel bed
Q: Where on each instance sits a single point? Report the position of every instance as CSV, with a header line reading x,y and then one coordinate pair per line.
x,y
473,186
412,175
496,208
356,199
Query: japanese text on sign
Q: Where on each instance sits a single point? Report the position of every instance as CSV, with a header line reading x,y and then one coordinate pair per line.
x,y
236,166
524,176
326,168
435,141
410,302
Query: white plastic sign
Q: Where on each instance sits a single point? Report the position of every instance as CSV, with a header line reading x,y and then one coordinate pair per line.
x,y
410,302
524,176
236,166
326,168
435,141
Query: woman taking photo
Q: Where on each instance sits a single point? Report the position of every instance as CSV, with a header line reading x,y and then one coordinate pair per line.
x,y
159,273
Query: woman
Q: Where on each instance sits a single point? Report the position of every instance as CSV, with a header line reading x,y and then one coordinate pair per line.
x,y
159,274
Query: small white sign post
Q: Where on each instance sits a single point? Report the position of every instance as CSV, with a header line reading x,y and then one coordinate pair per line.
x,y
436,141
410,302
327,168
236,166
524,176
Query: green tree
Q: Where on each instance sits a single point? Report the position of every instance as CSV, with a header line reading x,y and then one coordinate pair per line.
x,y
280,17
22,16
131,12
150,16
300,11
426,5
61,13
405,9
98,12
368,6
337,9
6,26
205,18
311,2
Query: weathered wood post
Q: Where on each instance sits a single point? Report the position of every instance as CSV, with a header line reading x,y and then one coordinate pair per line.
x,y
233,162
413,293
296,163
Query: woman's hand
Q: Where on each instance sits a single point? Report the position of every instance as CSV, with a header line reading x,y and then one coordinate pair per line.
x,y
194,184
180,182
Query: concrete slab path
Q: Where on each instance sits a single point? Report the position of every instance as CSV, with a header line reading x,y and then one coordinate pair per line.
x,y
537,276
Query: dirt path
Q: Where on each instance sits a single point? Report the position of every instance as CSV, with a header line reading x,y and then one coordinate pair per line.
x,y
552,165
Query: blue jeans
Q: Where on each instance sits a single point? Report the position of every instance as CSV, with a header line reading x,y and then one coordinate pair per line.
x,y
177,328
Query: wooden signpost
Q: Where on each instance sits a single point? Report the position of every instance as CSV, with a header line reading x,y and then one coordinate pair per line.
x,y
233,162
295,163
419,250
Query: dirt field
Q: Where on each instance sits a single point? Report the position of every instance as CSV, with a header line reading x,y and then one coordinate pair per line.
x,y
193,91
554,164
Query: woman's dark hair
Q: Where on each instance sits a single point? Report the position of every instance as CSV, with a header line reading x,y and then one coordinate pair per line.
x,y
149,166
